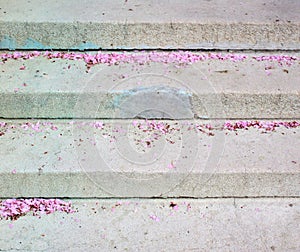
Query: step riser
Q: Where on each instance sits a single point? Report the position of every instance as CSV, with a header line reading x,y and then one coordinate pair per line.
x,y
120,105
20,36
113,185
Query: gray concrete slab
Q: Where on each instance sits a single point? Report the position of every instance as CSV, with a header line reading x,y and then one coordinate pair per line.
x,y
120,24
211,88
152,225
129,159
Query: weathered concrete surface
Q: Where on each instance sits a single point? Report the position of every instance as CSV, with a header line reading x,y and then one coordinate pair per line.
x,y
120,24
151,225
121,160
60,88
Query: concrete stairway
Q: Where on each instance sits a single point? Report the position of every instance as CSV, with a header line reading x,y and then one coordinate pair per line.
x,y
157,150
229,24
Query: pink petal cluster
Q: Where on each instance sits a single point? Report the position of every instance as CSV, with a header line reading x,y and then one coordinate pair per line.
x,y
280,59
20,55
149,125
268,126
156,129
38,127
203,128
98,125
41,126
15,208
180,57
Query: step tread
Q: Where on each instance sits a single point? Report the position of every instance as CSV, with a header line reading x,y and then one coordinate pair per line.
x,y
149,24
226,87
133,159
150,11
152,225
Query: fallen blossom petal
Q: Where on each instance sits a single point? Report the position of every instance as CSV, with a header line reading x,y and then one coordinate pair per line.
x,y
154,217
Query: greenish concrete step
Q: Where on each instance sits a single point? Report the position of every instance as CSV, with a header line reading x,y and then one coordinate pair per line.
x,y
133,24
160,225
83,159
167,85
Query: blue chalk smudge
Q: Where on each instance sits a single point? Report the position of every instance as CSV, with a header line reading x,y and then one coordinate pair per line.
x,y
120,95
8,43
33,44
11,44
85,46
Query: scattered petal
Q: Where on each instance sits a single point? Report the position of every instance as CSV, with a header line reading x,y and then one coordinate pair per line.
x,y
154,217
172,165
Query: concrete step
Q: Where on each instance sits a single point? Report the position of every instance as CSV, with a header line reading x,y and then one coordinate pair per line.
x,y
150,85
152,225
149,159
133,24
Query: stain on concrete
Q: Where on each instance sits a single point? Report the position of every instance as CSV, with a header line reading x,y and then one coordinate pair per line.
x,y
152,102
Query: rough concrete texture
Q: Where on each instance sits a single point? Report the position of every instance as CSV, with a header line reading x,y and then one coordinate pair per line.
x,y
124,160
152,225
61,88
120,24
